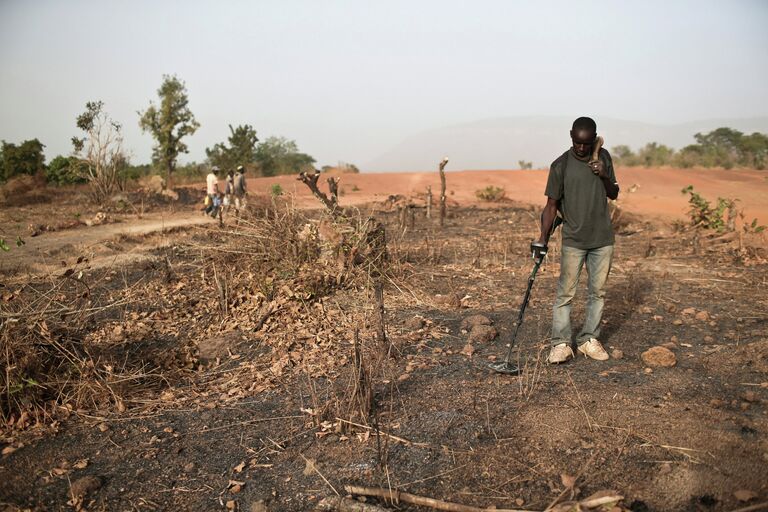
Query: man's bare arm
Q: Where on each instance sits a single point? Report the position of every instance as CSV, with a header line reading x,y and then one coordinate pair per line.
x,y
548,219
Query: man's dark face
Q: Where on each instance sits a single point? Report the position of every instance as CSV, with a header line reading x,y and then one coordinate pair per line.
x,y
582,142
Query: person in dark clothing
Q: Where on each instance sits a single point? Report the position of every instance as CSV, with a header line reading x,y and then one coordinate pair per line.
x,y
578,189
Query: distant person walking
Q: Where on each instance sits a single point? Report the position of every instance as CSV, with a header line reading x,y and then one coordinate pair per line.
x,y
229,190
240,189
212,191
579,188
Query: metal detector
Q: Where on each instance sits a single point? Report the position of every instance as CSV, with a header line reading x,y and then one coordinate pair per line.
x,y
540,251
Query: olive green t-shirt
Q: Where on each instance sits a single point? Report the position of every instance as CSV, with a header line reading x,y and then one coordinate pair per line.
x,y
583,202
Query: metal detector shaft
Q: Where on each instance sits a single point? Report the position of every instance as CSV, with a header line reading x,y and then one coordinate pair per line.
x,y
522,308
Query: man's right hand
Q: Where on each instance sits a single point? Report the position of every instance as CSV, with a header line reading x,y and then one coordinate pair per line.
x,y
538,251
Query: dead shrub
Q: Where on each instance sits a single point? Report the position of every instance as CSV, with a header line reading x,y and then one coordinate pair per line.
x,y
491,193
59,356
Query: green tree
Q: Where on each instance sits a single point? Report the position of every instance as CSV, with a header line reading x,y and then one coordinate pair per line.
x,y
278,155
720,147
63,171
169,123
241,149
754,150
25,158
654,154
623,155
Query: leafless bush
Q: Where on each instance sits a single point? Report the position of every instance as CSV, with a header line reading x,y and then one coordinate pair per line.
x,y
55,358
100,153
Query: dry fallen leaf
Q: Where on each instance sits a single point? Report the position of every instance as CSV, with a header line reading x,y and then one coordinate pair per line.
x,y
80,464
568,480
745,495
9,450
239,467
309,469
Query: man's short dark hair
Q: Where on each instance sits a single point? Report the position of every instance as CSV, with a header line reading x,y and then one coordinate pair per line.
x,y
585,123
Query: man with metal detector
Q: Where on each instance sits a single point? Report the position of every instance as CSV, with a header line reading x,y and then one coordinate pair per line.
x,y
579,184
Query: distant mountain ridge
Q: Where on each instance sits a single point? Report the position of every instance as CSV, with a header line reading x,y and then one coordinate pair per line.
x,y
500,143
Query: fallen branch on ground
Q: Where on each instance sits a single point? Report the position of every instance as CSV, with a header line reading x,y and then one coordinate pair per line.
x,y
394,496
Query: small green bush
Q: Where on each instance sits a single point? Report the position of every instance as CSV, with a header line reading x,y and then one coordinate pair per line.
x,y
276,190
490,193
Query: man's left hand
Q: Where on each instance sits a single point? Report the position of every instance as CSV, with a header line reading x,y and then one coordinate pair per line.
x,y
598,168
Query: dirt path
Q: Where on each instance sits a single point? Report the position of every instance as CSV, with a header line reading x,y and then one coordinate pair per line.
x,y
49,249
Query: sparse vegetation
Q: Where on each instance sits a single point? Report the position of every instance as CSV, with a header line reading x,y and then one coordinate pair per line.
x,y
278,155
721,217
723,147
524,165
23,159
491,193
276,190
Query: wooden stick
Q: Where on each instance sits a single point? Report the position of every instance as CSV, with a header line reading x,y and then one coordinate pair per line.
x,y
310,180
753,508
442,190
314,467
394,496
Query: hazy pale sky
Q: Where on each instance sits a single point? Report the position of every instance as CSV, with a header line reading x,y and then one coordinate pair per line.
x,y
349,80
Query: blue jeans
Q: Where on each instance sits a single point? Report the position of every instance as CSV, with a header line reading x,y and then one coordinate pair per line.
x,y
598,266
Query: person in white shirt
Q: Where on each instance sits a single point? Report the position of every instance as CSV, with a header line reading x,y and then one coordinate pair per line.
x,y
212,190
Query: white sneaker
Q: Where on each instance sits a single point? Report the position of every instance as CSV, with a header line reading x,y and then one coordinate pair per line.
x,y
560,354
594,349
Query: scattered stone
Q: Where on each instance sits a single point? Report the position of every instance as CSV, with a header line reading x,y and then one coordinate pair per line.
x,y
471,321
673,339
258,506
218,346
189,467
744,406
665,468
452,300
170,194
750,396
482,334
415,323
671,345
103,427
709,339
689,311
85,485
154,184
716,403
677,321
659,356
648,370
702,316
617,354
